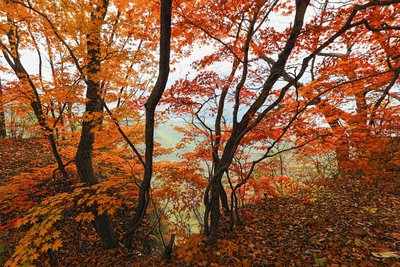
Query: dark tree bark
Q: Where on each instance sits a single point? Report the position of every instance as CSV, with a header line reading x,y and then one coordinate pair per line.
x,y
224,198
150,107
84,155
168,249
218,124
255,114
240,129
332,115
53,258
13,59
3,133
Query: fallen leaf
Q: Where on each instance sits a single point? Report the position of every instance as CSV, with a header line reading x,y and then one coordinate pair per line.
x,y
386,254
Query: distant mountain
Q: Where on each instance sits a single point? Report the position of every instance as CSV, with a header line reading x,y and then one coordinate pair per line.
x,y
168,137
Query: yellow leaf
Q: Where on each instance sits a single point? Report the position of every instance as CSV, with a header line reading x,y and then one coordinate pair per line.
x,y
85,216
45,247
57,244
42,231
37,241
386,254
371,210
359,242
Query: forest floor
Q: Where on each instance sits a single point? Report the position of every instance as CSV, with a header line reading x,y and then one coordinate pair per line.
x,y
17,156
346,222
342,223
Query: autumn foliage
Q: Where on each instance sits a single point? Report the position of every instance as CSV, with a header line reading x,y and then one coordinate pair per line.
x,y
182,127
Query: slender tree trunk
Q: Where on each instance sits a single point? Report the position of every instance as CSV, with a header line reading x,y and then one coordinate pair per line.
x,y
53,258
84,155
214,210
3,132
53,114
240,129
206,201
57,155
224,198
150,106
70,119
14,61
102,223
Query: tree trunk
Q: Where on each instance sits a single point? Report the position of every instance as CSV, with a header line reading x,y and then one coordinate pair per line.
x,y
224,198
3,133
14,61
150,106
93,109
70,119
57,155
240,129
53,258
214,210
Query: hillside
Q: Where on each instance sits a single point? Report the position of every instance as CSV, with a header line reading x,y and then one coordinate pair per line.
x,y
346,222
337,223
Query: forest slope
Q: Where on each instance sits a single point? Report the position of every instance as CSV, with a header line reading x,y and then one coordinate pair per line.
x,y
341,223
346,222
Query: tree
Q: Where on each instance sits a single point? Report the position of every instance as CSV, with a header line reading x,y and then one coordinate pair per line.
x,y
3,132
82,55
94,110
243,37
14,34
150,108
90,53
263,90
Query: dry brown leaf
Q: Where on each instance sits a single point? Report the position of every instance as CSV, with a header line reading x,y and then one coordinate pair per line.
x,y
386,254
